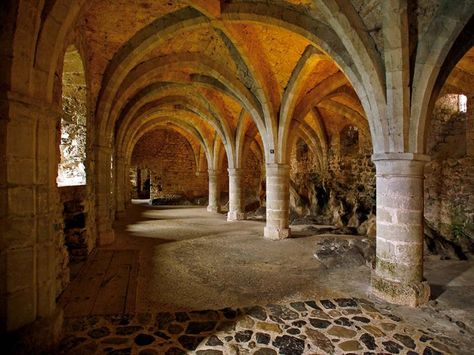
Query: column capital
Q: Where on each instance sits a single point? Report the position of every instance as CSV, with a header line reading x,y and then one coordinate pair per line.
x,y
400,164
275,168
400,156
214,172
235,171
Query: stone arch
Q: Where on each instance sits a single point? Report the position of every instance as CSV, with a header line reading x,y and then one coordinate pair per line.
x,y
445,41
243,11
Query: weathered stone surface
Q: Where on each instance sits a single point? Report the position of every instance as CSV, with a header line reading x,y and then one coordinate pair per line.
x,y
175,329
115,340
162,335
200,327
265,351
405,340
299,306
190,342
243,336
268,327
376,332
346,302
328,304
319,323
320,340
209,352
392,347
342,332
369,341
214,341
350,345
123,351
262,338
144,339
283,312
99,332
430,351
175,351
289,345
343,321
181,317
148,352
257,312
127,330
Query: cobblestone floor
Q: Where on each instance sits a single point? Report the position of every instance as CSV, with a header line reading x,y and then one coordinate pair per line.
x,y
336,326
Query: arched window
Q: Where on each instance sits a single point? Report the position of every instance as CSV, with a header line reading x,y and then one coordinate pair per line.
x,y
71,169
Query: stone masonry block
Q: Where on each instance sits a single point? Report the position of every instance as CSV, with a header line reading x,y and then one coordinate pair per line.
x,y
20,269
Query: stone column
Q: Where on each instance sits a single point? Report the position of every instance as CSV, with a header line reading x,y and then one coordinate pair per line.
x,y
214,192
278,201
398,275
105,232
30,218
236,208
120,187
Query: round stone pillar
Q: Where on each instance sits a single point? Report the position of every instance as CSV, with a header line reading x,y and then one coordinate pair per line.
x,y
277,201
214,192
398,274
236,209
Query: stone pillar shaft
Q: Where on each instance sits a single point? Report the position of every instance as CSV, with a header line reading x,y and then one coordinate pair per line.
x,y
278,201
398,275
105,232
120,187
214,192
236,208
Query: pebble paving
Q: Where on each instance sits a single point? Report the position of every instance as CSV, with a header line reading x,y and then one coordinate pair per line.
x,y
336,326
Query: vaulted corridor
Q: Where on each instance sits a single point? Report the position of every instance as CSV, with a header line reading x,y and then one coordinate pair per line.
x,y
184,155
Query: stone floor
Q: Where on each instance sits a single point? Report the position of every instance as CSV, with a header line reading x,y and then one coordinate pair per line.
x,y
343,325
190,260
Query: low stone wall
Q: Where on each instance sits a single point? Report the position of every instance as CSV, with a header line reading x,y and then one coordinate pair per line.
x,y
79,236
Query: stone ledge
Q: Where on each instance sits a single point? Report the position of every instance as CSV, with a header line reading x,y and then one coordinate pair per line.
x,y
409,294
235,216
273,233
213,209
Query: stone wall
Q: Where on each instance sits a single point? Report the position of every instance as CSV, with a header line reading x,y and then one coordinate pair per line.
x,y
449,177
253,176
170,159
78,226
341,193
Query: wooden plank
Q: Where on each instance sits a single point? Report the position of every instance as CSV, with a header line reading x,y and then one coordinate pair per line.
x,y
112,293
131,302
79,298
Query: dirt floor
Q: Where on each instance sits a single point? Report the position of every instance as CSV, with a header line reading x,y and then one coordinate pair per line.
x,y
183,259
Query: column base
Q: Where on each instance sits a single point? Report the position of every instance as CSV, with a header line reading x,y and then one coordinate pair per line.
x,y
274,233
411,294
106,237
235,216
213,209
38,337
